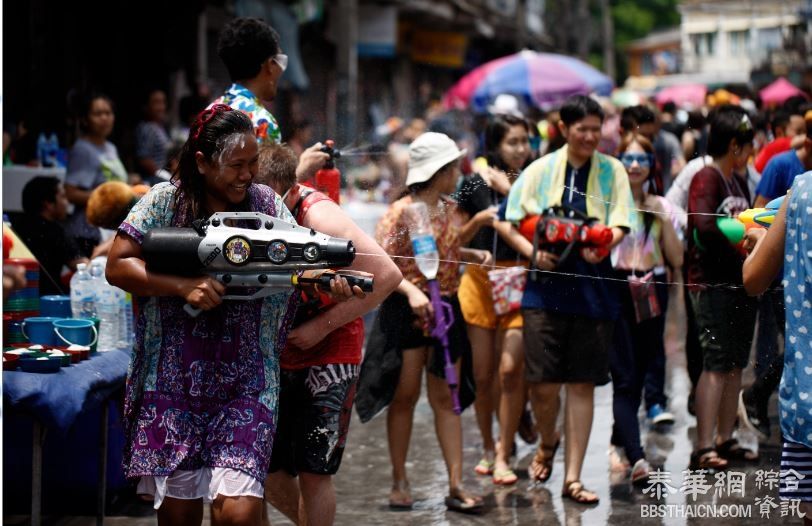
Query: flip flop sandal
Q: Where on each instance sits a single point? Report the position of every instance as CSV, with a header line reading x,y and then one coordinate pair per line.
x,y
402,487
462,506
702,459
731,450
504,477
485,467
545,461
577,494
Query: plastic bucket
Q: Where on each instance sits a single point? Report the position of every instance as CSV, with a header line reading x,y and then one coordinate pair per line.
x,y
76,332
40,329
57,306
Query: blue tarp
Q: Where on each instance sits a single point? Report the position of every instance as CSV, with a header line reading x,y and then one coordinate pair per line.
x,y
57,399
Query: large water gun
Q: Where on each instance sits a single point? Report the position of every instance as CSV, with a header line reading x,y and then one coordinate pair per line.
x,y
560,230
428,261
251,250
734,229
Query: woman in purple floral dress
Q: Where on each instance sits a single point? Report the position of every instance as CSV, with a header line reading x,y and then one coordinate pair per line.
x,y
201,396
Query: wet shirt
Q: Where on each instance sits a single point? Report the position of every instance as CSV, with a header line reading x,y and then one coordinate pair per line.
x,y
714,259
203,392
241,98
90,165
392,235
794,397
641,249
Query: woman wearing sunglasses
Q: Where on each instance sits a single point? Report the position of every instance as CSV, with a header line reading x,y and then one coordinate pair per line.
x,y
641,259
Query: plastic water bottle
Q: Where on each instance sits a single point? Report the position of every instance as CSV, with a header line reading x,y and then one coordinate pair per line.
x,y
109,316
82,293
423,243
127,324
52,150
42,149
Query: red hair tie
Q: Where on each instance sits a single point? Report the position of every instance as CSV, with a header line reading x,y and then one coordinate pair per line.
x,y
207,115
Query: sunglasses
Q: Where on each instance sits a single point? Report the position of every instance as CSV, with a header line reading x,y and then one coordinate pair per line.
x,y
281,60
643,160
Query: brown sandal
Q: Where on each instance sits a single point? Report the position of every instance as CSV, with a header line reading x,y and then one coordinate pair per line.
x,y
707,458
575,491
541,468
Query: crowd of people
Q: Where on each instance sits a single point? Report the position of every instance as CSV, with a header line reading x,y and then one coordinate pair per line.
x,y
251,401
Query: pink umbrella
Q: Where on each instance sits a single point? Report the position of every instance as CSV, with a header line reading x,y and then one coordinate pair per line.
x,y
779,91
683,94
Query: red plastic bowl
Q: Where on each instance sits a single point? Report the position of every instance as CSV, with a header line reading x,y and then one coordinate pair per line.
x,y
10,361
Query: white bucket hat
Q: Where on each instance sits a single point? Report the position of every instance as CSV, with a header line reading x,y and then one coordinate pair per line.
x,y
428,153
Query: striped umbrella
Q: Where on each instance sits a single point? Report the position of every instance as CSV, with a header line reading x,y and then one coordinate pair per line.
x,y
544,80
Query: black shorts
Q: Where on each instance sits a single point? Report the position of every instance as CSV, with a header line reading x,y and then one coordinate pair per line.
x,y
563,348
726,320
315,405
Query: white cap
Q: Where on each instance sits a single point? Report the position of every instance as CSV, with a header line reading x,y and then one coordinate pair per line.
x,y
505,104
428,153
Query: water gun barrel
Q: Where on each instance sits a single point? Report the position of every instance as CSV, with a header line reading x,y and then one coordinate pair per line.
x,y
173,251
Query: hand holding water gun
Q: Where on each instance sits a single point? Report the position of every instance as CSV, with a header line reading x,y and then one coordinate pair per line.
x,y
251,251
428,261
559,230
749,225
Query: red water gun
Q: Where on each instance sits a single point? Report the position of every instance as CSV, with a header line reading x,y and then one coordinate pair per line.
x,y
561,229
328,178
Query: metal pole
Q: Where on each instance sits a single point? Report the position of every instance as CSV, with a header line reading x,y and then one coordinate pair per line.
x,y
347,71
101,489
36,473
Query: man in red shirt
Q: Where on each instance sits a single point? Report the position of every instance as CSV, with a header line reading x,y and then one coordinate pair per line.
x,y
788,130
320,365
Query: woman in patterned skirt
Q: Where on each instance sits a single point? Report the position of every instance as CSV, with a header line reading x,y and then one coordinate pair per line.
x,y
201,396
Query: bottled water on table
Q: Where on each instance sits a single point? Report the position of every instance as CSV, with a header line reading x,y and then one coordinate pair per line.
x,y
109,308
82,293
423,243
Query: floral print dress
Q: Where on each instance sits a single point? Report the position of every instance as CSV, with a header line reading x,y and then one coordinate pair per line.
x,y
202,392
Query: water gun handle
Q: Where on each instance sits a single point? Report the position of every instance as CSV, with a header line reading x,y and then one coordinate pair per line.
x,y
443,320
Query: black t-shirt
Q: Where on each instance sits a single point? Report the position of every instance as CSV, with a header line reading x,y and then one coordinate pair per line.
x,y
52,248
474,196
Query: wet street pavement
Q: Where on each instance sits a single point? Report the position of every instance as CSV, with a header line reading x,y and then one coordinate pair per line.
x,y
364,481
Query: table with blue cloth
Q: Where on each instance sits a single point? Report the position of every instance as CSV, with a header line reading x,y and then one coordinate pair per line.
x,y
56,405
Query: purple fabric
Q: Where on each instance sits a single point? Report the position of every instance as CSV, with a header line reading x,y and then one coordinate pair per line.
x,y
202,392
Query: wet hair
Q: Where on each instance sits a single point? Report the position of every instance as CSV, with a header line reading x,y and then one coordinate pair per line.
x,y
211,134
495,132
86,104
245,43
578,107
277,167
728,123
38,190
